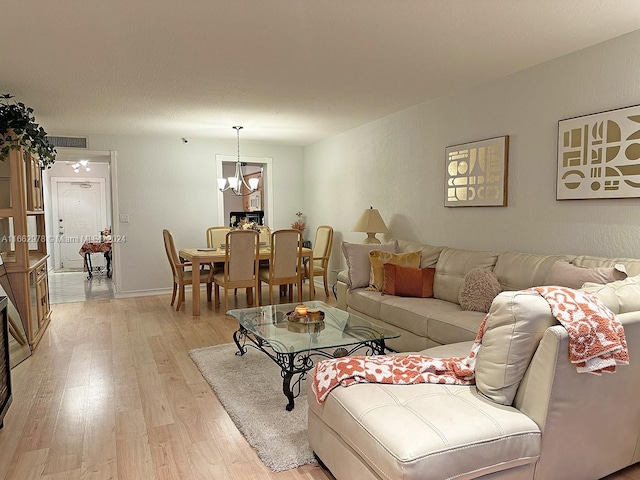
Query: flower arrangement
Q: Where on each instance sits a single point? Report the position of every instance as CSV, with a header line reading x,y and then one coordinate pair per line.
x,y
245,224
18,129
299,224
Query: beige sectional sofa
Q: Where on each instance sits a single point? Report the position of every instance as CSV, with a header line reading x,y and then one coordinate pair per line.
x,y
530,415
429,322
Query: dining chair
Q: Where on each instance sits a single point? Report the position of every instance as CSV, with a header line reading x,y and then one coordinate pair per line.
x,y
265,235
181,275
285,263
216,236
242,256
319,263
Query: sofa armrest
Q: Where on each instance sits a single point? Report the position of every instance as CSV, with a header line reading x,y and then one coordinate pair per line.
x,y
342,289
602,411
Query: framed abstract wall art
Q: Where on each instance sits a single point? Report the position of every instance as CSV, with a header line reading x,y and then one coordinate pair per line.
x,y
476,173
599,155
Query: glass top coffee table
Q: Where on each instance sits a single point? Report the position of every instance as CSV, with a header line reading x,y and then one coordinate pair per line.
x,y
291,344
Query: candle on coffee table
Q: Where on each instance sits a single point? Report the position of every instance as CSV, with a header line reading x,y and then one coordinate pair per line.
x,y
301,310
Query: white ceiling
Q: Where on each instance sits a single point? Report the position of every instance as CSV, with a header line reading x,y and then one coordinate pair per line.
x,y
289,71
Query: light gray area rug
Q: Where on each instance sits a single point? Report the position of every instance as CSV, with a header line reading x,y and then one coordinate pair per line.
x,y
250,388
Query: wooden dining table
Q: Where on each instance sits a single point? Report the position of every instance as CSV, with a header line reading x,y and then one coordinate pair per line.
x,y
200,256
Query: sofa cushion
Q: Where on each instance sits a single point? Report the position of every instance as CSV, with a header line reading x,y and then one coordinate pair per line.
x,y
378,258
407,281
622,296
515,324
454,326
357,258
453,264
517,271
565,274
401,432
413,314
366,301
478,290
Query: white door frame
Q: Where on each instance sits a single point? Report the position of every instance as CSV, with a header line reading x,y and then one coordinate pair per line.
x,y
55,212
112,157
267,162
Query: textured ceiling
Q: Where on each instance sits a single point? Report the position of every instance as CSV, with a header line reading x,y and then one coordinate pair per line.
x,y
289,71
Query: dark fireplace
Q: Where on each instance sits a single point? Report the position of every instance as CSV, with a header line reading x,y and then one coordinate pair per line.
x,y
5,367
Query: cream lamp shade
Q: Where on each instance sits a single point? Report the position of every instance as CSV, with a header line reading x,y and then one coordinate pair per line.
x,y
371,223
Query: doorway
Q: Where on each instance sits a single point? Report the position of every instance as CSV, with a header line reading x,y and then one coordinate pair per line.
x,y
79,212
228,202
78,207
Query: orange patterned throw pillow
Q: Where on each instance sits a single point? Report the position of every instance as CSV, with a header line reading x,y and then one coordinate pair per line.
x,y
408,281
379,258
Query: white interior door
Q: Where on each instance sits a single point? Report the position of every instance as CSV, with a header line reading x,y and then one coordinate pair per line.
x,y
81,215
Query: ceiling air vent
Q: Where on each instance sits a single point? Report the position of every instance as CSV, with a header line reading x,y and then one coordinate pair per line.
x,y
68,142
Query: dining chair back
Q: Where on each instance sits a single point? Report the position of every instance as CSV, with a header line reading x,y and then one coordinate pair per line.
x,y
319,264
182,275
242,255
217,236
285,262
265,235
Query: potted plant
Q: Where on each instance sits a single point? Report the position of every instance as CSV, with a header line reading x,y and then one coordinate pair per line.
x,y
18,129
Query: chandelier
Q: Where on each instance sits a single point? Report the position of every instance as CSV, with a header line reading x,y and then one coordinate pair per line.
x,y
234,184
76,166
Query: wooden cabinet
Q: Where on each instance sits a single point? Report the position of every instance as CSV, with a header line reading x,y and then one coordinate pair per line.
x,y
33,183
252,202
39,277
23,240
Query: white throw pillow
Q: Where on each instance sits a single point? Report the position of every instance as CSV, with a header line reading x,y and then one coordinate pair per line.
x,y
357,257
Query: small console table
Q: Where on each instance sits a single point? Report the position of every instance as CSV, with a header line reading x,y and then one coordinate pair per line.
x,y
96,247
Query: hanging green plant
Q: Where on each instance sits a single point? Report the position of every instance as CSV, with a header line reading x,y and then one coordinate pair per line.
x,y
18,129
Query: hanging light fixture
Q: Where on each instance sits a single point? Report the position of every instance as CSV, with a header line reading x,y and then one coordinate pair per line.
x,y
82,163
234,184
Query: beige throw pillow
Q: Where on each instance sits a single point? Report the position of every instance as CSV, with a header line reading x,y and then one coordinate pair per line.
x,y
564,274
357,258
478,290
379,258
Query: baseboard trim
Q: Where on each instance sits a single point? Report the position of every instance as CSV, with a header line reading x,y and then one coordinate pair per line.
x,y
142,293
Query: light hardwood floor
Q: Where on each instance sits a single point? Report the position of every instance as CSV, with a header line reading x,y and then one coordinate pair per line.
x,y
111,393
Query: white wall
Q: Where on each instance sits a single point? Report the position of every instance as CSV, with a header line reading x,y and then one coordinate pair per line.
x,y
397,163
163,183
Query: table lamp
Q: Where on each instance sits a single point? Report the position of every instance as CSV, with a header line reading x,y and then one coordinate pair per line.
x,y
370,222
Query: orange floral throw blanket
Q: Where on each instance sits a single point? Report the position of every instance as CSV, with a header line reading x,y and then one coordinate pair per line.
x,y
596,344
596,337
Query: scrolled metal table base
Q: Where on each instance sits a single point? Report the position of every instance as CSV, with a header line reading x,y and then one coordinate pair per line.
x,y
295,365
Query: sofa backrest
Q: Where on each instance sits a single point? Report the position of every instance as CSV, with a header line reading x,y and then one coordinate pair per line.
x,y
622,296
453,264
590,424
632,265
515,325
428,253
517,271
